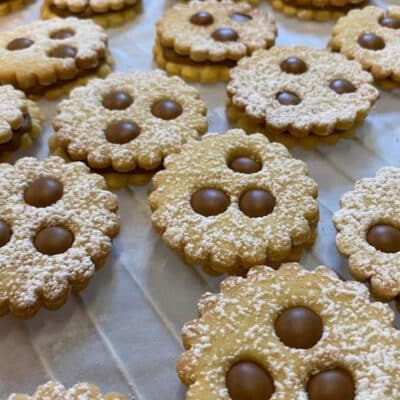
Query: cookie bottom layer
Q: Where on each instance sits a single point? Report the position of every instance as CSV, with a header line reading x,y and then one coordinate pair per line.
x,y
106,20
12,5
114,180
191,73
308,142
26,138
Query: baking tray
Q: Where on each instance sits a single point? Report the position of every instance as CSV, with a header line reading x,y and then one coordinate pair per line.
x,y
123,332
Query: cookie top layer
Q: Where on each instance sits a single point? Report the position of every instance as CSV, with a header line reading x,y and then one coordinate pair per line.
x,y
234,199
368,225
13,106
301,90
252,321
43,52
215,31
55,228
372,37
56,391
97,6
129,120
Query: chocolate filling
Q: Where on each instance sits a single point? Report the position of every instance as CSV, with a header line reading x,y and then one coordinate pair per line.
x,y
15,142
169,54
86,13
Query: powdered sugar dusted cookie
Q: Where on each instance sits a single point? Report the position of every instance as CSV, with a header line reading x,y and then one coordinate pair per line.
x,y
368,225
129,122
290,334
372,37
45,54
56,391
20,120
202,40
56,226
232,201
301,91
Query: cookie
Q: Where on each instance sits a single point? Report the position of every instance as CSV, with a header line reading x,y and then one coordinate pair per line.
x,y
20,121
56,391
233,201
368,226
8,6
56,225
126,124
300,91
372,37
202,40
290,334
105,13
45,57
318,10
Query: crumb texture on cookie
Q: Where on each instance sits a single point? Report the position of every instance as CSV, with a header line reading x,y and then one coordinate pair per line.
x,y
98,6
302,101
42,53
240,325
158,114
382,62
262,213
57,221
373,202
56,391
256,30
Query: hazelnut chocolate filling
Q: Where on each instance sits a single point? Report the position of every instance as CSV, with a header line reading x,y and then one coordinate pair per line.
x,y
88,12
15,142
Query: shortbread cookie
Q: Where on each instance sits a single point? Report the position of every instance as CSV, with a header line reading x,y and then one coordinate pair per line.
x,y
233,201
20,121
56,226
202,40
372,37
301,91
368,225
128,123
115,13
56,391
8,6
290,334
44,55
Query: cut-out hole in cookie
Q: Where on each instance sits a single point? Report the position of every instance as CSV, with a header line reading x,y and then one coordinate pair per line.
x,y
19,44
390,22
341,86
53,240
384,237
370,41
299,327
62,34
244,164
239,17
43,192
63,52
225,35
209,201
122,132
332,384
202,18
288,98
257,203
293,65
117,100
247,380
166,109
5,233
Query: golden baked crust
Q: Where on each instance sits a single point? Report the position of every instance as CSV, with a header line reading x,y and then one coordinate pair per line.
x,y
373,201
98,6
384,63
12,6
238,324
29,278
257,80
56,391
231,241
82,119
175,30
32,66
